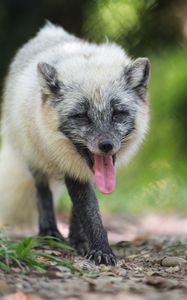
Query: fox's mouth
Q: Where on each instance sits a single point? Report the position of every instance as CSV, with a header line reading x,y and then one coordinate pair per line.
x,y
102,166
90,158
103,169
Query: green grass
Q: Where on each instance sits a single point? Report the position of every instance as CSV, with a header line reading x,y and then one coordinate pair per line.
x,y
26,254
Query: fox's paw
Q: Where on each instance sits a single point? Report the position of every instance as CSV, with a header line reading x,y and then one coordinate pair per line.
x,y
52,233
102,257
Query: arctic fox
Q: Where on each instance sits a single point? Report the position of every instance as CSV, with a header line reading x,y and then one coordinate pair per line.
x,y
72,112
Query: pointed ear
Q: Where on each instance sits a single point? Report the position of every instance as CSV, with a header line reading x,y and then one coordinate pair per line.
x,y
137,74
48,79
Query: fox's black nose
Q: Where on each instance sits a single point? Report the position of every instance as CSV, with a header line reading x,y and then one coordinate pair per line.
x,y
106,146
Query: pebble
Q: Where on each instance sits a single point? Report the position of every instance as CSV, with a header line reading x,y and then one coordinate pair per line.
x,y
172,270
121,272
173,261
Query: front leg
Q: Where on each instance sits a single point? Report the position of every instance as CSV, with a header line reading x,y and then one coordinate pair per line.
x,y
77,237
87,211
47,220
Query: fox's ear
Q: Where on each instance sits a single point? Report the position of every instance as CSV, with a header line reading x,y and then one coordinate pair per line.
x,y
48,79
137,74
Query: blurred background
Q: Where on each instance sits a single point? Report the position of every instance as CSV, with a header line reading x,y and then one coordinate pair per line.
x,y
156,179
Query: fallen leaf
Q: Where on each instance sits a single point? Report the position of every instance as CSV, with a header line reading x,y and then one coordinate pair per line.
x,y
21,296
157,281
16,270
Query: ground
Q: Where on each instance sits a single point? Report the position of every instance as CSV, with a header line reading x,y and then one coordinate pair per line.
x,y
152,264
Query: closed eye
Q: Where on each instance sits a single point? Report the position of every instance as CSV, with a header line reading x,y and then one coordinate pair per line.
x,y
120,116
80,118
121,112
79,115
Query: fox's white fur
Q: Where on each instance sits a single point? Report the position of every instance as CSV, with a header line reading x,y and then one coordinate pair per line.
x,y
29,130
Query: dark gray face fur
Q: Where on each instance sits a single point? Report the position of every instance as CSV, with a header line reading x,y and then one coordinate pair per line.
x,y
88,127
100,131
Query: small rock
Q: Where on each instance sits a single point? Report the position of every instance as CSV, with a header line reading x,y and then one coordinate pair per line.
x,y
173,261
130,258
121,263
152,273
121,272
104,268
54,274
138,269
172,270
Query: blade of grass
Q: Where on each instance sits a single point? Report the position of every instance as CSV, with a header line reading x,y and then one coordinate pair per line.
x,y
4,267
57,243
25,246
25,255
60,261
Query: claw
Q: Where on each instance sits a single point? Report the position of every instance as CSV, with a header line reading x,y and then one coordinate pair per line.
x,y
106,257
113,259
90,255
99,257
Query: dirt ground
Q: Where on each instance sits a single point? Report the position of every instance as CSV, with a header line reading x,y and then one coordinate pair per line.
x,y
152,264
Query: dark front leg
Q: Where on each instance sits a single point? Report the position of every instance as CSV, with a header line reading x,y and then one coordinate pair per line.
x,y
86,210
77,235
47,221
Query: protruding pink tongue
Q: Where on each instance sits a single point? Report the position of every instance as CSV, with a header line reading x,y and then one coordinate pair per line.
x,y
104,173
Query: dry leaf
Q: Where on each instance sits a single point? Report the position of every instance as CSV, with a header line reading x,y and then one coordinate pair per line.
x,y
157,281
21,296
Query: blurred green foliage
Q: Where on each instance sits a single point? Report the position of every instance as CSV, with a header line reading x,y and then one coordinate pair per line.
x,y
156,178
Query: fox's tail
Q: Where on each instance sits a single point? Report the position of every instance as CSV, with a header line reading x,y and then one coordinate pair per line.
x,y
17,190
